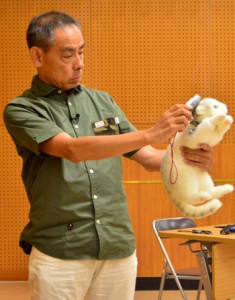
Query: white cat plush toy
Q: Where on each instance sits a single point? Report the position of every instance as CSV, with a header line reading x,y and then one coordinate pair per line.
x,y
191,189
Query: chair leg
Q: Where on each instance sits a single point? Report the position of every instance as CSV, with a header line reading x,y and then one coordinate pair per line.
x,y
199,290
174,275
180,288
163,278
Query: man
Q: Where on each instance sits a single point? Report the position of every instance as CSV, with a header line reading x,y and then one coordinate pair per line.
x,y
70,139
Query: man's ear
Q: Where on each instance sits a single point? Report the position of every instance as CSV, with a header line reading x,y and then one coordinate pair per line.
x,y
36,56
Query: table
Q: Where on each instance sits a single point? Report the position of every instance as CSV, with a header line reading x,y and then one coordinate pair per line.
x,y
223,260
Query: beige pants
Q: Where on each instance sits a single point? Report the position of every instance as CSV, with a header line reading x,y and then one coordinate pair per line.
x,y
58,279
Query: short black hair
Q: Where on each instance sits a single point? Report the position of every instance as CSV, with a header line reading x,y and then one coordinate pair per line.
x,y
40,32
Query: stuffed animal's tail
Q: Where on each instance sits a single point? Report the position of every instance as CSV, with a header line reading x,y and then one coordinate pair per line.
x,y
200,211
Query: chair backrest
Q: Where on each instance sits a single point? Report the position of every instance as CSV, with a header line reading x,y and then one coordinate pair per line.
x,y
173,223
168,224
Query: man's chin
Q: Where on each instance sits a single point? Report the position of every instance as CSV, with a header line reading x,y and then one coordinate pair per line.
x,y
72,85
75,80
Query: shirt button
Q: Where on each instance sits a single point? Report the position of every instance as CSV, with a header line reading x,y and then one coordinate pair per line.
x,y
98,221
76,126
91,171
95,196
70,226
70,103
59,91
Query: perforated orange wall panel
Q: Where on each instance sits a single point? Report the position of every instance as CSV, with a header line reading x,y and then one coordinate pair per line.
x,y
148,54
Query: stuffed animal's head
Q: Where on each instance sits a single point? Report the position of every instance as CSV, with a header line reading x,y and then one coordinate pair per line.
x,y
208,107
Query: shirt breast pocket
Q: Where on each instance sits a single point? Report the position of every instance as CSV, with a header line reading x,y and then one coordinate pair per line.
x,y
108,126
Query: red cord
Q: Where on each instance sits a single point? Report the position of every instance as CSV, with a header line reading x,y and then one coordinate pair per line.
x,y
173,165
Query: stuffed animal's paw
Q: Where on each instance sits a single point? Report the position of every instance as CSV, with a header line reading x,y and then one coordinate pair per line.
x,y
221,117
229,188
228,120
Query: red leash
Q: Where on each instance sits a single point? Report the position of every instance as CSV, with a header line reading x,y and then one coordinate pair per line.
x,y
173,165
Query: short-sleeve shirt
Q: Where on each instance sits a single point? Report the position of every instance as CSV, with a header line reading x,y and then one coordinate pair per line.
x,y
77,210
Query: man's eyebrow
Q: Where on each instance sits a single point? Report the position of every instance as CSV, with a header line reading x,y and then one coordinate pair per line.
x,y
71,49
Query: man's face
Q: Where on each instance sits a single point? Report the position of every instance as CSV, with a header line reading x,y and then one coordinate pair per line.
x,y
62,65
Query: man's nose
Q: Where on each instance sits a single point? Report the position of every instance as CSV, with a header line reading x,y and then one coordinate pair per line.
x,y
78,62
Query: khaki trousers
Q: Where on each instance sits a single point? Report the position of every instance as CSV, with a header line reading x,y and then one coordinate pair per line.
x,y
59,279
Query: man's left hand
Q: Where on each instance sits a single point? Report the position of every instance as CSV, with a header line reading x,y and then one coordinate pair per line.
x,y
201,158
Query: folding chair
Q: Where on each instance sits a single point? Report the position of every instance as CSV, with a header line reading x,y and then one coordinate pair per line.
x,y
168,271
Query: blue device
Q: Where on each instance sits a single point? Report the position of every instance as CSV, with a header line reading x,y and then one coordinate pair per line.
x,y
227,229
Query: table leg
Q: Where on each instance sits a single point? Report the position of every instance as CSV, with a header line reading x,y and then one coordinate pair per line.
x,y
223,269
204,268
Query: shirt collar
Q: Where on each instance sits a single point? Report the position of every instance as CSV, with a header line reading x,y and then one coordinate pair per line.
x,y
40,88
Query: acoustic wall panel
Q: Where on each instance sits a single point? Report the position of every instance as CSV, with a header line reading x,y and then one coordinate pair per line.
x,y
154,53
222,58
158,53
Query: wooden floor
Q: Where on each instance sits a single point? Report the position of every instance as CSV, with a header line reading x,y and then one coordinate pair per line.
x,y
21,291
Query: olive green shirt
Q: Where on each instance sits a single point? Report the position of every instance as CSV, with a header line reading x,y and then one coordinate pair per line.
x,y
77,210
